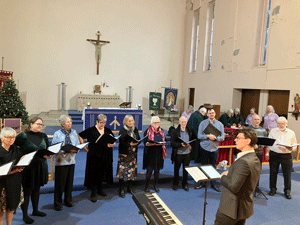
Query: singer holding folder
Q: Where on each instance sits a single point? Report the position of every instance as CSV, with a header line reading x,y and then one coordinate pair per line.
x,y
10,185
99,157
36,174
64,163
127,160
181,151
210,139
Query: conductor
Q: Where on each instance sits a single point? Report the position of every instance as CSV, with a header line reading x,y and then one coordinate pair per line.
x,y
236,204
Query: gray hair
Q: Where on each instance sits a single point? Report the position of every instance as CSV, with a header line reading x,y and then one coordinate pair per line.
x,y
181,118
7,131
229,112
203,110
252,109
63,119
101,118
237,110
270,106
190,107
126,118
281,119
154,118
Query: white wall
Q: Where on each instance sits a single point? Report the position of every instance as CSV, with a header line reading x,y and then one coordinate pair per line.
x,y
236,27
44,44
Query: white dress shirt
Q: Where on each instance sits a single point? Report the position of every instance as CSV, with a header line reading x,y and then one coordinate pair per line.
x,y
286,137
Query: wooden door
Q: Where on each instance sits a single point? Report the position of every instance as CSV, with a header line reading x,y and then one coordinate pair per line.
x,y
279,99
191,96
250,99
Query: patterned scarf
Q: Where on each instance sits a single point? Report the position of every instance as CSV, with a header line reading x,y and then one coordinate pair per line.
x,y
152,131
67,138
130,131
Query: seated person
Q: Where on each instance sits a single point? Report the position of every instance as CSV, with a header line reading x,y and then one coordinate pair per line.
x,y
237,119
249,117
226,118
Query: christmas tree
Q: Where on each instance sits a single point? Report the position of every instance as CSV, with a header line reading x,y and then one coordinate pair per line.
x,y
11,105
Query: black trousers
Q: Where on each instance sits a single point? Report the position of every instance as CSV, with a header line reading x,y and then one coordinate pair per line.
x,y
185,161
210,158
285,160
63,183
222,219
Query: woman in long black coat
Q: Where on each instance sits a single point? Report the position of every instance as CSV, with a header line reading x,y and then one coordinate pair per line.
x,y
99,157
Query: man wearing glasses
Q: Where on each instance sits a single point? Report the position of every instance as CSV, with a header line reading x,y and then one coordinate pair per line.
x,y
236,204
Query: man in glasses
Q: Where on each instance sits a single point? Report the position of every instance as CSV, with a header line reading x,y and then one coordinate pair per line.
x,y
236,204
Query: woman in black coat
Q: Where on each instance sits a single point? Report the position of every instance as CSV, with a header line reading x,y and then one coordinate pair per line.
x,y
127,160
99,157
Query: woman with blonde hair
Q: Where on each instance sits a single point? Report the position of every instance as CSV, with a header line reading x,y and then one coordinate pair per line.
x,y
127,161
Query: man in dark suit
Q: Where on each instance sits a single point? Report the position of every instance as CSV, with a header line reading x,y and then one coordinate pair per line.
x,y
236,204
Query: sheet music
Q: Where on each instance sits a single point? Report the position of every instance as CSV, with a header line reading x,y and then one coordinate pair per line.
x,y
4,169
82,145
289,146
211,172
26,159
196,173
55,148
142,138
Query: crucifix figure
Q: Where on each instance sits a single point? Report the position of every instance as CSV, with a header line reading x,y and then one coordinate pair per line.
x,y
98,43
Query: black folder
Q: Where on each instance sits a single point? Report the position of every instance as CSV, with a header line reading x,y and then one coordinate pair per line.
x,y
6,168
51,150
265,141
186,142
210,129
131,139
67,148
107,139
157,142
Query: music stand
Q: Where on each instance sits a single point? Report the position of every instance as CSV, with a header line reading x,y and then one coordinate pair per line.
x,y
205,174
258,192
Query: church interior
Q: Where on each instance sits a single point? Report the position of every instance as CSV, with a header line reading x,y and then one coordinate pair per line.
x,y
70,56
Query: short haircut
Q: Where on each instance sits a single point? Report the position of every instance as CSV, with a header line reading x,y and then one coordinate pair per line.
x,y
281,119
182,117
253,109
211,109
7,131
190,107
154,118
255,115
203,110
63,119
270,106
101,118
249,133
237,110
126,118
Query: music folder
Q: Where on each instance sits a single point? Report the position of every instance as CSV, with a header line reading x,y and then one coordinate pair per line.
x,y
6,168
157,142
203,173
51,150
67,148
186,142
265,141
25,160
132,139
107,139
289,146
210,129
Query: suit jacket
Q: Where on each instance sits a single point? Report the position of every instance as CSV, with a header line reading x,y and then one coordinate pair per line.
x,y
239,185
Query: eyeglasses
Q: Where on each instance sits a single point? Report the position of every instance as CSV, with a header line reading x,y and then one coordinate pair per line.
x,y
239,138
102,122
39,124
156,122
14,137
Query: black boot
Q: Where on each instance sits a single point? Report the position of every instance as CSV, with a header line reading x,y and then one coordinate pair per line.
x,y
121,188
130,187
100,191
93,194
148,176
156,175
35,197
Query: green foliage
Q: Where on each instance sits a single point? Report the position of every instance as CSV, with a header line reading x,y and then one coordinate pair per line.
x,y
11,105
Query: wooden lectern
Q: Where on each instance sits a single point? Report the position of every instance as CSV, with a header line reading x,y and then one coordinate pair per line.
x,y
125,105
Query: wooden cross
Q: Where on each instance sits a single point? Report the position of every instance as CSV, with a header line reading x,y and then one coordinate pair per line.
x,y
98,43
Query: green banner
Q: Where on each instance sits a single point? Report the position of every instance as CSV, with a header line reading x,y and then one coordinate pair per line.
x,y
154,101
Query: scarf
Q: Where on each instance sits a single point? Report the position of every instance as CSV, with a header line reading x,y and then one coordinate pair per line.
x,y
152,131
130,131
67,134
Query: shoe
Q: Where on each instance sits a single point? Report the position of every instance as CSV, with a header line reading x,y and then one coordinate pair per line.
x,y
122,193
217,189
39,213
27,220
101,193
130,190
288,195
186,188
199,186
69,204
147,190
93,199
175,187
156,189
58,208
272,192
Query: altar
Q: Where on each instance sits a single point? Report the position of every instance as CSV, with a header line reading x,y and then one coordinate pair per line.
x,y
95,101
115,117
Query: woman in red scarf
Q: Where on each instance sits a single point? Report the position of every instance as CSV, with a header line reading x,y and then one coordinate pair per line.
x,y
154,152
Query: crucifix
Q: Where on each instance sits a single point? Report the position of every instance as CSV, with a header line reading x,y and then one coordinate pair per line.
x,y
98,43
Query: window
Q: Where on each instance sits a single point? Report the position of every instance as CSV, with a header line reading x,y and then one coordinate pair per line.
x,y
266,33
209,36
195,41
